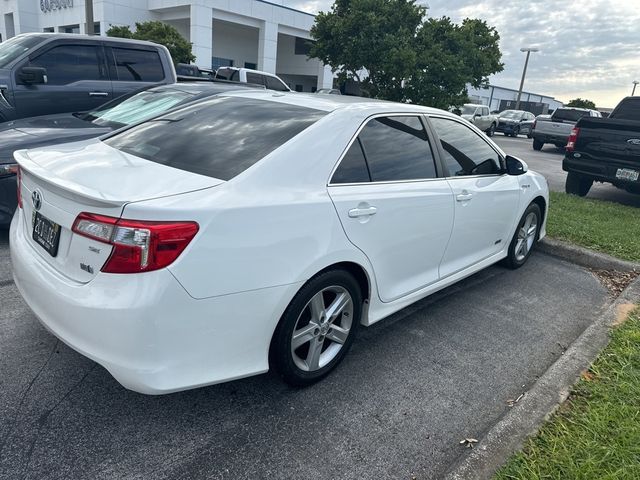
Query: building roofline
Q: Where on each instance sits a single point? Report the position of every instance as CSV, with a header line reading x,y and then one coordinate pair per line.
x,y
516,90
287,8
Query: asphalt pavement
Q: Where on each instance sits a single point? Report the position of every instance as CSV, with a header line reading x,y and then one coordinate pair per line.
x,y
548,162
411,388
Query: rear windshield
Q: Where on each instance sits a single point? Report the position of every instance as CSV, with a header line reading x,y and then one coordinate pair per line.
x,y
218,137
569,115
628,109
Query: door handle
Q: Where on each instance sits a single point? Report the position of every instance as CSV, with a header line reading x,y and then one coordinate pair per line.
x,y
98,94
464,197
362,212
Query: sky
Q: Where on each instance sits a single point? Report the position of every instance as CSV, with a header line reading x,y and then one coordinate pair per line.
x,y
588,48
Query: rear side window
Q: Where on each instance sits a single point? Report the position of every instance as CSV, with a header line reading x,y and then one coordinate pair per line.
x,y
563,114
70,63
353,167
134,65
397,148
220,137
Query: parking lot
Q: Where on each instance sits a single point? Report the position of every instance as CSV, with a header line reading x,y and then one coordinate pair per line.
x,y
548,162
412,387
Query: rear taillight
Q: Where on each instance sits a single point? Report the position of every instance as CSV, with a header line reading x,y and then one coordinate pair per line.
x,y
535,122
573,138
19,185
138,246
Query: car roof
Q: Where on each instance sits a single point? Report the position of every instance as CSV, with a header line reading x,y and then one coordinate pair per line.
x,y
330,103
76,36
199,87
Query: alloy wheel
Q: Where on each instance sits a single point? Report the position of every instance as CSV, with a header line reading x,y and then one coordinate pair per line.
x,y
526,236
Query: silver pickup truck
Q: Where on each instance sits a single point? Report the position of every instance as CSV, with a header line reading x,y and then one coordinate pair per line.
x,y
479,115
557,128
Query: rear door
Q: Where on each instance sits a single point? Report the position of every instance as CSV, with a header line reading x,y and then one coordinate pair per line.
x,y
392,203
133,67
77,79
486,199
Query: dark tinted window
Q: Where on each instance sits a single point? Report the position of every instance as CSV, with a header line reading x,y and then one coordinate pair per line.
x,y
397,148
220,137
70,63
138,65
255,78
563,114
627,109
465,152
353,167
275,84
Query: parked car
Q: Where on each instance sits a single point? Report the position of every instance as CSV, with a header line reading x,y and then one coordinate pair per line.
x,y
479,116
605,150
329,91
250,231
557,128
45,73
67,127
515,122
246,75
190,70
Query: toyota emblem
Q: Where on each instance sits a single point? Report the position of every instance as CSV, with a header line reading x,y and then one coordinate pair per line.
x,y
36,199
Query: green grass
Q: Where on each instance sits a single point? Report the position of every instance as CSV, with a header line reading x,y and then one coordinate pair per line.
x,y
596,433
603,226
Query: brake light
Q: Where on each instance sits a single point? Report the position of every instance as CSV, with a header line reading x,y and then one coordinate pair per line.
x,y
573,138
19,185
138,246
535,122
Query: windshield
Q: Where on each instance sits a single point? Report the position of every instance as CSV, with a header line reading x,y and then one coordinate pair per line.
x,y
468,110
16,46
512,114
140,106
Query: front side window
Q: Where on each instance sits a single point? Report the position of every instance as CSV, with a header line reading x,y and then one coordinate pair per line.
x,y
275,84
255,78
220,137
134,65
397,148
66,64
465,152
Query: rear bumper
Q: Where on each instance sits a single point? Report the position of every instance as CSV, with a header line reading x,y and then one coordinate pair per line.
x,y
145,329
555,139
8,200
603,170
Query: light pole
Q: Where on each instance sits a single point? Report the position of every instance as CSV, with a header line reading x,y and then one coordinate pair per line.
x,y
88,15
524,72
635,82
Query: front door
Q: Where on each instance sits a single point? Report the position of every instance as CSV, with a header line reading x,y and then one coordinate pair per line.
x,y
486,199
392,204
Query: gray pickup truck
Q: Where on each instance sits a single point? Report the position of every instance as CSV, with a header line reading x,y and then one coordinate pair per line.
x,y
557,128
46,73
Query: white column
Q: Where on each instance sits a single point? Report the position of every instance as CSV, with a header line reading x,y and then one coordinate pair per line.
x,y
268,47
325,76
200,34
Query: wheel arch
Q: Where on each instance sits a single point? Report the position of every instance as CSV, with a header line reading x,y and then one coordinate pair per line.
x,y
542,203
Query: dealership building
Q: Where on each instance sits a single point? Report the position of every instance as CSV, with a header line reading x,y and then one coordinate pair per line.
x,y
258,34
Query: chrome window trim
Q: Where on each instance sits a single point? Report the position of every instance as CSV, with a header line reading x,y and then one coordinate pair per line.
x,y
420,117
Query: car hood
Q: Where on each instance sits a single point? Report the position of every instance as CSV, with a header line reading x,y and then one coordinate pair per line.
x,y
43,131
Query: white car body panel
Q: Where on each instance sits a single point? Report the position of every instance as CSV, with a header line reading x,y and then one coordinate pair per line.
x,y
209,316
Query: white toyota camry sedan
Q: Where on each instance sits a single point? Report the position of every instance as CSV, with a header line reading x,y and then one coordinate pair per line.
x,y
259,229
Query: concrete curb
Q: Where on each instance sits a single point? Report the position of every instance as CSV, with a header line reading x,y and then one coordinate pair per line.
x,y
550,390
584,257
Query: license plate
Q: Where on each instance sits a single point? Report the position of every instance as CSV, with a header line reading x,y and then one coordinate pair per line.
x,y
627,174
46,234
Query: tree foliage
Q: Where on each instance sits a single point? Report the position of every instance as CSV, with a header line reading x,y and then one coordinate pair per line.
x,y
405,56
581,103
158,32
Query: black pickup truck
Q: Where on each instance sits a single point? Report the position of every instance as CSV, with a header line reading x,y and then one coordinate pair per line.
x,y
605,150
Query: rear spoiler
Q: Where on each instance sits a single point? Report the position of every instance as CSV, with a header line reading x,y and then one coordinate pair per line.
x,y
187,78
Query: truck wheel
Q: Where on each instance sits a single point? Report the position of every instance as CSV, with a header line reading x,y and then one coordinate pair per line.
x,y
491,131
578,184
537,144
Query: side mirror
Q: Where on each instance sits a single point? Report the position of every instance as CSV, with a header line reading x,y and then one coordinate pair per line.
x,y
32,75
478,115
515,166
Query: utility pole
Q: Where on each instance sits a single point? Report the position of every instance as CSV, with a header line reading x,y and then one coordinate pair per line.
x,y
524,73
88,16
635,83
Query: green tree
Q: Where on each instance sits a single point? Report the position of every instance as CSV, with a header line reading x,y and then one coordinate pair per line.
x,y
158,32
581,103
407,58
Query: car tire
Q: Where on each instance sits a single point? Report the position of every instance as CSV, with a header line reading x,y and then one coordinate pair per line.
x,y
516,132
529,135
577,184
310,341
525,237
537,144
491,131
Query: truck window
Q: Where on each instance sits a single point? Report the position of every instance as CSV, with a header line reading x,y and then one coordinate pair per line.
x,y
568,115
133,65
627,109
274,84
255,78
70,63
